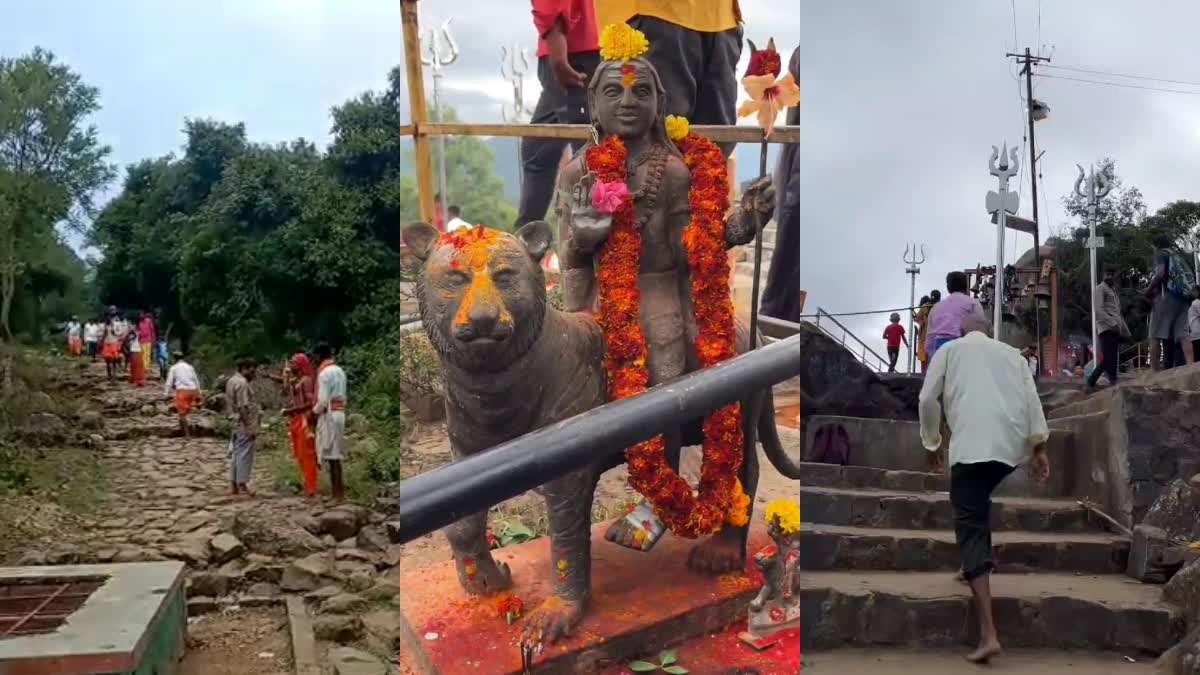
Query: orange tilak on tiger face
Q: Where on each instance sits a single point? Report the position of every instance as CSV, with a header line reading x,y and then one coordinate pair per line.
x,y
479,277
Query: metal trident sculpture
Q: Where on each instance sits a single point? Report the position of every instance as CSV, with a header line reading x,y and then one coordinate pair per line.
x,y
1098,185
439,50
514,65
912,271
1001,203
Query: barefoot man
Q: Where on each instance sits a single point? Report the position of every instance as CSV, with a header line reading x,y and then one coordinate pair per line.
x,y
183,384
331,417
244,410
995,419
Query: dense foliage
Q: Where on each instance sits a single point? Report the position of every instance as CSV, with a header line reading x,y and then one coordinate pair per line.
x,y
51,166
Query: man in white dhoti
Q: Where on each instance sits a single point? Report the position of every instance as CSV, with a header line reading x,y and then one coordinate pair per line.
x,y
331,417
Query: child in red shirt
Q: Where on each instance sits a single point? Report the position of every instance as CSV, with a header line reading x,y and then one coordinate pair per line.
x,y
894,334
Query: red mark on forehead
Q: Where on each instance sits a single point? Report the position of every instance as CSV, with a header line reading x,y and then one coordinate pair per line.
x,y
628,74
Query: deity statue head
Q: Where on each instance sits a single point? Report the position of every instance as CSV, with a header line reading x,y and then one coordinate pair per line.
x,y
628,99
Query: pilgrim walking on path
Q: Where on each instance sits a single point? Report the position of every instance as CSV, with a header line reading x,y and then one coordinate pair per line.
x,y
996,423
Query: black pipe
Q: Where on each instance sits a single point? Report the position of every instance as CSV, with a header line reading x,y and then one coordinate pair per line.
x,y
444,495
777,328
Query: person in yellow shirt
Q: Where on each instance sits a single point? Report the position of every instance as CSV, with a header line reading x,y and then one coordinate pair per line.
x,y
695,46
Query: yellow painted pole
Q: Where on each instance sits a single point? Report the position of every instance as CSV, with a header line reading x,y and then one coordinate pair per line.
x,y
416,105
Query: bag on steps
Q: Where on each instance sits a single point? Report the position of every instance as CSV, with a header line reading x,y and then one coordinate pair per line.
x,y
831,445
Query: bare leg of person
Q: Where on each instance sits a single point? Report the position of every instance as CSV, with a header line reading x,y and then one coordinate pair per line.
x,y
989,643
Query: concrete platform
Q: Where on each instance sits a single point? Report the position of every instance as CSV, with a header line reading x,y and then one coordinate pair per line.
x,y
825,547
931,609
909,510
642,602
134,622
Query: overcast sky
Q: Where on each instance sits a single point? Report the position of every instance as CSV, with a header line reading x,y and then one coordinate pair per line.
x,y
277,65
902,101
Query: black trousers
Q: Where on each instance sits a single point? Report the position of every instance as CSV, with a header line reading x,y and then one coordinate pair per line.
x,y
893,356
971,487
1109,340
698,70
1196,349
540,156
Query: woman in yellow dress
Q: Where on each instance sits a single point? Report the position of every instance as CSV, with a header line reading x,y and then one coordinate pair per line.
x,y
921,316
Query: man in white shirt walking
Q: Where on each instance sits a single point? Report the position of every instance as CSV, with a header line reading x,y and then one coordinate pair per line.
x,y
183,384
995,419
331,418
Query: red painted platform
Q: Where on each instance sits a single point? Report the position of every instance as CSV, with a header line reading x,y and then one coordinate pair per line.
x,y
722,652
642,602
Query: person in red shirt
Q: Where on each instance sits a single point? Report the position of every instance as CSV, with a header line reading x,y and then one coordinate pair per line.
x,y
568,53
894,334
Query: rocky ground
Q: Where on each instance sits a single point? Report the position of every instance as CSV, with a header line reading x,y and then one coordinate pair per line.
x,y
169,500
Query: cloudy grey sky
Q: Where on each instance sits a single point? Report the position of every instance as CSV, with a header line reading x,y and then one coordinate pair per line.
x,y
902,101
277,65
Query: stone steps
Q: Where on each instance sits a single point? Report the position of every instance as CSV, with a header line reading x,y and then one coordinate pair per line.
x,y
931,609
919,511
874,660
828,547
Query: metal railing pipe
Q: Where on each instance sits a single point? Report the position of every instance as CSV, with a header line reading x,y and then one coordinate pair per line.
x,y
444,495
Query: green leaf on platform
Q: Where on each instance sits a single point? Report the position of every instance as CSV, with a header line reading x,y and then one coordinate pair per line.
x,y
676,670
667,656
642,667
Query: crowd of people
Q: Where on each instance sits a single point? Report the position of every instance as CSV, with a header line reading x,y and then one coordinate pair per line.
x,y
316,398
1173,329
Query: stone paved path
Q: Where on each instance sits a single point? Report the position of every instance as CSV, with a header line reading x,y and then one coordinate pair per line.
x,y
169,499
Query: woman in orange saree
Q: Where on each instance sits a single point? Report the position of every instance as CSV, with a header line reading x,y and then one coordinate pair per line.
x,y
301,396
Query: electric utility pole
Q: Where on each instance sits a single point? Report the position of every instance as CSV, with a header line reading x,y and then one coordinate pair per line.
x,y
1028,61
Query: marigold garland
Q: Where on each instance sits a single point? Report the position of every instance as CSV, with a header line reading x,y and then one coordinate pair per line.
x,y
720,497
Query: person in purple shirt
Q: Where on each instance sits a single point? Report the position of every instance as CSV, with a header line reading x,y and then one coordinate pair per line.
x,y
946,317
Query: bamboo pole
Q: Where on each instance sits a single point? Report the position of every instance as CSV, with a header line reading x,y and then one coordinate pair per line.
x,y
416,104
718,133
407,130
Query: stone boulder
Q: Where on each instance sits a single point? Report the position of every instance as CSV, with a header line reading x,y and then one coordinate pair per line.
x,y
338,628
44,427
348,661
344,603
226,547
265,533
1177,509
306,574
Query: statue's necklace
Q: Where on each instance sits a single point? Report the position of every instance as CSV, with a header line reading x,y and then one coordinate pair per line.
x,y
656,156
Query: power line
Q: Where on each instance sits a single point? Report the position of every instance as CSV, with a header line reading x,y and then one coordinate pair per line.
x,y
1131,77
1119,84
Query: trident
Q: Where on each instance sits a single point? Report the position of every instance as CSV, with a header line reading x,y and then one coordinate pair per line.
x,y
912,271
1001,203
438,51
514,65
1098,185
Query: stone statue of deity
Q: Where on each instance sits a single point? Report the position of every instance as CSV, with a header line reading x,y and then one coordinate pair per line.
x,y
628,100
777,605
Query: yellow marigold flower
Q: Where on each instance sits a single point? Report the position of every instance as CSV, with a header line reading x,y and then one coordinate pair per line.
x,y
677,127
789,514
562,565
622,42
739,506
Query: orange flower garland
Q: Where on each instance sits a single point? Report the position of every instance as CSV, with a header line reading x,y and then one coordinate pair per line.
x,y
720,496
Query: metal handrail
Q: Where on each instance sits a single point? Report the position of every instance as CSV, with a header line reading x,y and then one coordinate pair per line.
x,y
448,493
880,364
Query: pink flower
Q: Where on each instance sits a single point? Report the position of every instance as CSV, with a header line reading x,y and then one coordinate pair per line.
x,y
608,197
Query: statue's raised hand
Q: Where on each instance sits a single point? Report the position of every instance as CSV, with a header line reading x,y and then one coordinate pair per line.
x,y
589,226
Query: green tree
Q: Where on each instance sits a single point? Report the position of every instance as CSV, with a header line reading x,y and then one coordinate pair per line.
x,y
474,185
1129,234
51,163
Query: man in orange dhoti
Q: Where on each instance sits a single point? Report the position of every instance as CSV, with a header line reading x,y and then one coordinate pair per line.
x,y
184,385
301,397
